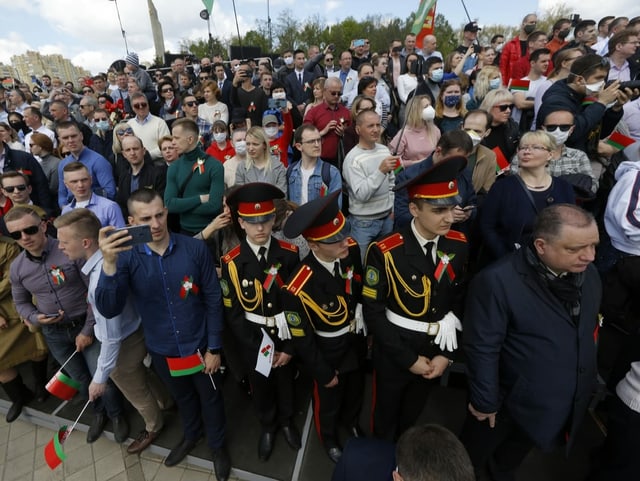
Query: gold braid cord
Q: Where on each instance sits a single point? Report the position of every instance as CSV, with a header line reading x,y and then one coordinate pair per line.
x,y
248,304
323,314
393,275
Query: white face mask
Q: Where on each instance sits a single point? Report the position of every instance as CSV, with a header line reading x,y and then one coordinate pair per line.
x,y
475,138
560,136
219,136
428,113
595,87
279,95
271,131
241,147
288,61
499,47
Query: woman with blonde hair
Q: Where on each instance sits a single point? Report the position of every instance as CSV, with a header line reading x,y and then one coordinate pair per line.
x,y
505,132
318,90
487,79
260,165
213,109
418,139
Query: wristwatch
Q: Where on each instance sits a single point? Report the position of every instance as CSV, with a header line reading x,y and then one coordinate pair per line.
x,y
217,351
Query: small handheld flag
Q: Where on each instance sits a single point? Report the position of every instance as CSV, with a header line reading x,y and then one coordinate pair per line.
x,y
265,355
53,452
619,141
185,366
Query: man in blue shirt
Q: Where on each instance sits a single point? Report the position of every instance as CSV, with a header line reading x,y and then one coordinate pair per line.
x,y
173,282
101,172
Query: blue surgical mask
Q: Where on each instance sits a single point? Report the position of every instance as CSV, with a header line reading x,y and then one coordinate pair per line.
x,y
495,83
436,75
102,125
451,100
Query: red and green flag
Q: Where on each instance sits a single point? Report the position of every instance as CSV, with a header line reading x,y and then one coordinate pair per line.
x,y
519,85
185,366
502,163
272,277
424,21
619,141
398,167
62,386
53,451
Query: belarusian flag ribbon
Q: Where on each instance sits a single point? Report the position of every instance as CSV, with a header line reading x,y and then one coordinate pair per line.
x,y
398,167
348,277
199,166
185,366
444,266
187,287
323,190
57,275
272,276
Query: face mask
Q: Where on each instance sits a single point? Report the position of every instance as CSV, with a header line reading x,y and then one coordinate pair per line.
x,y
475,138
288,61
529,29
279,95
102,125
560,136
451,100
241,147
436,75
595,87
499,47
563,34
219,136
428,113
495,83
271,131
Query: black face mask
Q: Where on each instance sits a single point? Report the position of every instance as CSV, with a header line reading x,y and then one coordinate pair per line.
x,y
563,34
529,28
17,125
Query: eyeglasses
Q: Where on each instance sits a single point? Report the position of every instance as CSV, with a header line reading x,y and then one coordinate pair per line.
x,y
317,141
164,91
328,59
191,103
562,127
525,148
334,94
503,108
83,106
11,188
102,101
87,91
31,230
206,77
140,106
121,132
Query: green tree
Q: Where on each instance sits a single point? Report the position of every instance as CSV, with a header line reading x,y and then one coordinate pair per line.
x,y
285,31
257,39
200,47
448,39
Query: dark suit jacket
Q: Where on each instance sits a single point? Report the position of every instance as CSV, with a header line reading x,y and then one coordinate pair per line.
x,y
366,459
151,176
226,92
299,93
524,353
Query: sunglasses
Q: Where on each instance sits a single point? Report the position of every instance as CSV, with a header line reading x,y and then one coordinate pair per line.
x,y
503,108
102,101
191,103
122,132
11,188
335,94
164,91
562,127
31,230
140,106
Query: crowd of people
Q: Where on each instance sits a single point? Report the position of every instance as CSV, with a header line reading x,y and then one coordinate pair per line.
x,y
325,211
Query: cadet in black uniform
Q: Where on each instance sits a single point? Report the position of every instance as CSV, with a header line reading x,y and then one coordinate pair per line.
x,y
323,310
252,276
412,296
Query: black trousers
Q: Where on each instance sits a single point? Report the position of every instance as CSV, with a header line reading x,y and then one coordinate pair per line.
x,y
499,450
338,405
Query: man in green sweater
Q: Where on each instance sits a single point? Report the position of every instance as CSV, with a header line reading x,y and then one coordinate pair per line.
x,y
195,181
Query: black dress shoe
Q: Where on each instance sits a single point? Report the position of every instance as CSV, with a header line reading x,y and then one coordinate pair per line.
x,y
334,453
265,445
97,426
221,464
120,429
178,453
356,431
292,436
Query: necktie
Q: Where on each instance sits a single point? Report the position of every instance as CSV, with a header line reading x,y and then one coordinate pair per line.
x,y
300,78
336,270
220,85
429,247
262,259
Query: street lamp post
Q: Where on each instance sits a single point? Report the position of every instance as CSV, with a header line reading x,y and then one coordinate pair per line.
x,y
124,35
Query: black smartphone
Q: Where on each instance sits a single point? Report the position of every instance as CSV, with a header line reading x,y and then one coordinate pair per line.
x,y
140,234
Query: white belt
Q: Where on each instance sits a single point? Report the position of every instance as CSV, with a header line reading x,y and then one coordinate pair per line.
x,y
430,328
337,333
278,321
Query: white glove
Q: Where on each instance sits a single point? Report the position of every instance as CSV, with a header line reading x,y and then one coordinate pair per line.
x,y
446,336
361,327
283,327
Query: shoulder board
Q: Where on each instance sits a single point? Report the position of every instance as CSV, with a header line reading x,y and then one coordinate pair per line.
x,y
352,241
299,280
391,242
232,254
456,235
288,246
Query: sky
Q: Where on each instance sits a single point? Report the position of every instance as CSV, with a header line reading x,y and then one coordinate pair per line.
x,y
87,31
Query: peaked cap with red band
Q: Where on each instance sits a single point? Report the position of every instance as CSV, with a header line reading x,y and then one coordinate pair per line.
x,y
254,202
319,220
437,185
